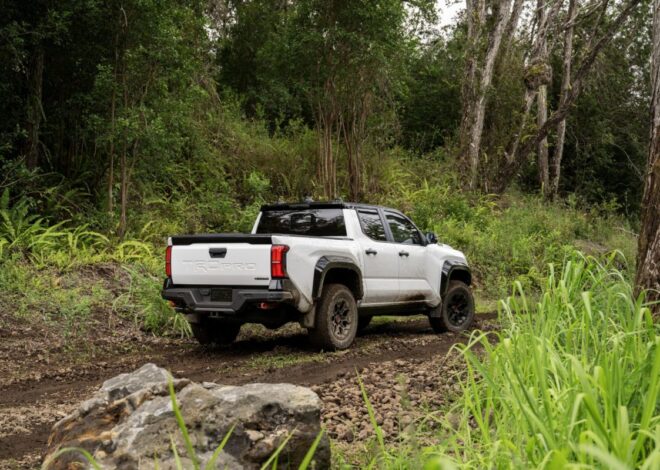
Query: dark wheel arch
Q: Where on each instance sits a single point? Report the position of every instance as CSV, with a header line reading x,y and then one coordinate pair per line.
x,y
454,270
337,270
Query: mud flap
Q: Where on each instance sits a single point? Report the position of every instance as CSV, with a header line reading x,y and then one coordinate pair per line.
x,y
436,312
309,318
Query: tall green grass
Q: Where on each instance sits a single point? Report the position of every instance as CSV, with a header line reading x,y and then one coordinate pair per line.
x,y
572,381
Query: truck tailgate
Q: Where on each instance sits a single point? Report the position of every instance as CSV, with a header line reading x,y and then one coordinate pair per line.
x,y
221,264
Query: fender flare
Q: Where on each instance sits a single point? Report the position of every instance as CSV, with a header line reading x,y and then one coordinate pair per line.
x,y
325,264
449,267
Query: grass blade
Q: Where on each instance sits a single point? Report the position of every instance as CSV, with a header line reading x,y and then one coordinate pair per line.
x,y
311,451
182,426
209,465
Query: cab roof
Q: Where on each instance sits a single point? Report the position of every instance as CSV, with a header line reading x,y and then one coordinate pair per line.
x,y
318,205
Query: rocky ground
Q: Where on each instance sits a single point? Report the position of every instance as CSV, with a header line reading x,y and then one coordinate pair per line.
x,y
407,371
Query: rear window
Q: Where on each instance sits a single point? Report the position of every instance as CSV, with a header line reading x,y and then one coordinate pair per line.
x,y
372,226
313,222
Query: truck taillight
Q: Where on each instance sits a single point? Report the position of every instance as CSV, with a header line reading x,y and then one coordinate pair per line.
x,y
278,261
168,262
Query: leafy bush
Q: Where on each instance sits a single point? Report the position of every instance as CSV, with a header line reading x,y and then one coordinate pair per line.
x,y
143,302
505,238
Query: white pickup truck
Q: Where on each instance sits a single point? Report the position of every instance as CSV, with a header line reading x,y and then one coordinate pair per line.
x,y
330,266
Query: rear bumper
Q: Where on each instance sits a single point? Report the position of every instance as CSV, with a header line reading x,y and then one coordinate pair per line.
x,y
197,299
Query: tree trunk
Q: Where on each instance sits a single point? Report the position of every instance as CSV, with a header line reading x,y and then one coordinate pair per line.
x,y
536,88
326,156
648,253
475,17
542,95
558,153
353,127
542,151
325,105
123,162
123,194
113,106
476,95
35,109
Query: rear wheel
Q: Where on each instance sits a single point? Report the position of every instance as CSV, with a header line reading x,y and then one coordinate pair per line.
x,y
336,319
456,311
217,332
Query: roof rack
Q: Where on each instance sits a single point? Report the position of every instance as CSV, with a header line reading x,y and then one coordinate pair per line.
x,y
311,204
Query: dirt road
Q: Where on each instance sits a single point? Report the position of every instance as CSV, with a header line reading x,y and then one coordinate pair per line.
x,y
388,356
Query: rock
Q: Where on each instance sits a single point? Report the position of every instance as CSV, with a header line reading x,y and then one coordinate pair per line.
x,y
129,423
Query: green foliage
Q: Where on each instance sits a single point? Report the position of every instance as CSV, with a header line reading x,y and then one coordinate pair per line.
x,y
511,237
143,302
587,391
573,380
429,104
48,298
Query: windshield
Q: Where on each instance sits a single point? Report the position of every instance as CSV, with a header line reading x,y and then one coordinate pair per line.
x,y
313,222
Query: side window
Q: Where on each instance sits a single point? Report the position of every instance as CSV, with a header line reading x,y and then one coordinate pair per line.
x,y
372,226
403,230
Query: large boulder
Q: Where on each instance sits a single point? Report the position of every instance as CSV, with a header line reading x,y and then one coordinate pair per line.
x,y
129,423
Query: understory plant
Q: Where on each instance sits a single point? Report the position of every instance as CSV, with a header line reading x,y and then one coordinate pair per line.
x,y
572,381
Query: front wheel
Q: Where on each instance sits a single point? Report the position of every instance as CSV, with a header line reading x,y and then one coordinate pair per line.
x,y
336,319
456,311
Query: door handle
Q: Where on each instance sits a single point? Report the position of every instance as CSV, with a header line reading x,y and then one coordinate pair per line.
x,y
371,251
404,253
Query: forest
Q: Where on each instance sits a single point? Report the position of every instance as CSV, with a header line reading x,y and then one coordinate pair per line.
x,y
524,132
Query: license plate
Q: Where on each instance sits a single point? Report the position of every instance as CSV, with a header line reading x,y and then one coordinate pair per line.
x,y
221,295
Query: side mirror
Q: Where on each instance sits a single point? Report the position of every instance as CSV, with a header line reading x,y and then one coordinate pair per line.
x,y
431,238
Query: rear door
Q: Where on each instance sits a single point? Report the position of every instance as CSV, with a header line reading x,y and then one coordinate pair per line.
x,y
411,254
221,264
380,260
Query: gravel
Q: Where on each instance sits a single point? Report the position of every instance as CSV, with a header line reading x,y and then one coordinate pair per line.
x,y
401,393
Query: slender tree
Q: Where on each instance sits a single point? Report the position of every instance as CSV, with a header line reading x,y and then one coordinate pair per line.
x,y
567,63
648,254
479,74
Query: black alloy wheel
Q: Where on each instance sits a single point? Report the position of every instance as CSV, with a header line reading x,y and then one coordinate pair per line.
x,y
456,312
336,321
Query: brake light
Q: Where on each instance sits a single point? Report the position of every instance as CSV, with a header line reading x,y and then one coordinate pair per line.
x,y
278,261
168,261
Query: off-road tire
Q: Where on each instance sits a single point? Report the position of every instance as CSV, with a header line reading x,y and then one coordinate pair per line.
x,y
220,333
363,323
336,319
458,297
